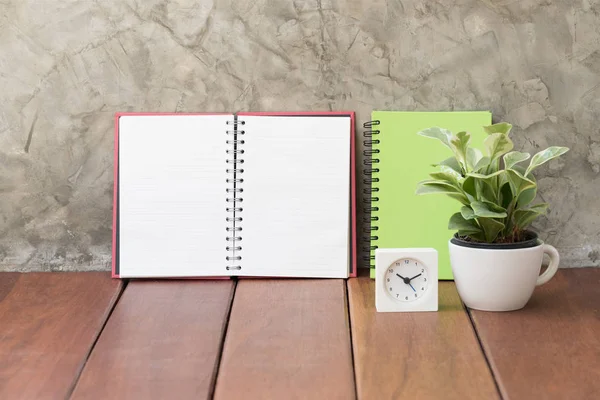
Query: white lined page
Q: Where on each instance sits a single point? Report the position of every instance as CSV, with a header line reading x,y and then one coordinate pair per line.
x,y
172,191
296,197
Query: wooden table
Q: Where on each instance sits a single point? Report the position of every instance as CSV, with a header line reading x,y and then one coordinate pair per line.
x,y
87,336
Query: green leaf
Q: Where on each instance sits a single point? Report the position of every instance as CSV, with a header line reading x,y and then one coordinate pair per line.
x,y
477,235
489,188
449,170
501,127
545,156
443,135
502,179
491,228
541,207
498,144
457,222
459,145
460,197
468,186
473,157
521,169
485,177
487,210
481,164
524,217
514,157
433,187
493,206
444,177
506,195
493,166
451,163
436,186
526,197
447,174
518,183
488,192
467,212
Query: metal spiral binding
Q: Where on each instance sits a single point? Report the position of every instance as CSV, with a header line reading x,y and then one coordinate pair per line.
x,y
235,181
370,180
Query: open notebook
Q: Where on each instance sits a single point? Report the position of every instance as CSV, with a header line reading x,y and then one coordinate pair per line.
x,y
252,194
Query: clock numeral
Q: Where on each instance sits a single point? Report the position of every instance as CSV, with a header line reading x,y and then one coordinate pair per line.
x,y
390,289
422,288
388,279
415,295
424,279
405,261
397,294
422,270
406,297
391,271
416,263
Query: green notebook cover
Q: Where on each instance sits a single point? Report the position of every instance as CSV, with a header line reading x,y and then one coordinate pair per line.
x,y
405,158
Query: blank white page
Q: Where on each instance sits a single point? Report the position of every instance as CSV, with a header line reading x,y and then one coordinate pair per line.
x,y
296,196
172,183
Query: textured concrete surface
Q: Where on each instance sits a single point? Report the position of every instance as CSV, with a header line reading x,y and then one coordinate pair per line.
x,y
67,66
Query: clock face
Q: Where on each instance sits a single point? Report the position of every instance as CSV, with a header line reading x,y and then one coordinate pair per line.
x,y
406,280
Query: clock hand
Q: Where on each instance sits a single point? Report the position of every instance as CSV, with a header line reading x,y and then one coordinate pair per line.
x,y
416,276
411,286
406,280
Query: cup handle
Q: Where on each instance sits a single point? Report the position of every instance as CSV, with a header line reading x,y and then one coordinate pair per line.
x,y
552,268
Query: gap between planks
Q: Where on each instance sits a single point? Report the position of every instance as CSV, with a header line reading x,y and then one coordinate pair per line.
x,y
106,317
349,321
550,349
287,338
222,344
482,348
491,352
163,339
49,323
416,355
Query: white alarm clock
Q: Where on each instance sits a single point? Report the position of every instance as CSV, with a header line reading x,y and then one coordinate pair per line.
x,y
406,280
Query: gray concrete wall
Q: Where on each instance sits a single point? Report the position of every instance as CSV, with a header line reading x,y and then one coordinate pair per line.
x,y
67,66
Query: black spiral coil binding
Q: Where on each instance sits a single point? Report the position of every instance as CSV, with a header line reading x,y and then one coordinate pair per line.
x,y
235,181
370,181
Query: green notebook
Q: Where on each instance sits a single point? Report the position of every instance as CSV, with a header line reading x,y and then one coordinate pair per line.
x,y
399,217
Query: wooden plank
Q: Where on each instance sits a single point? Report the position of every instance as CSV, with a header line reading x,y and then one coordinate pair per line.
x,y
48,324
163,340
551,348
432,355
287,339
7,282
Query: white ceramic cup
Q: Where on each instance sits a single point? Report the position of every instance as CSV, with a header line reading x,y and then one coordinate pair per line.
x,y
500,280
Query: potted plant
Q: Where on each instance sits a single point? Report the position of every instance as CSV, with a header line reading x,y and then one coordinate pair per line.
x,y
495,259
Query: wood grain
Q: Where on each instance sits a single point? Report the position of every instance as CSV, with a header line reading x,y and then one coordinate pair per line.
x,y
48,324
163,340
7,282
551,348
424,355
287,339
